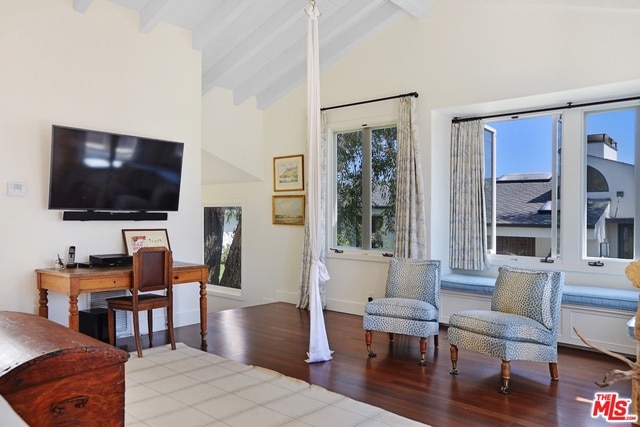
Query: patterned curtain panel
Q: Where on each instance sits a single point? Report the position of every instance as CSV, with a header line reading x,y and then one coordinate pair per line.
x,y
411,230
468,225
303,294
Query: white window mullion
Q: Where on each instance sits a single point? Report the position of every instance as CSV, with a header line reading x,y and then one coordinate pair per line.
x,y
555,167
490,174
636,157
366,188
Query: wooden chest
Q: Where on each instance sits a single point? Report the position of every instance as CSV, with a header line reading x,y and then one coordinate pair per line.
x,y
53,376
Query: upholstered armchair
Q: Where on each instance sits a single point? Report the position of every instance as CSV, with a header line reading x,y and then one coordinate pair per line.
x,y
521,325
411,305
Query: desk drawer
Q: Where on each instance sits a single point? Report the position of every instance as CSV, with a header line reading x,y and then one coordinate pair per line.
x,y
188,276
106,283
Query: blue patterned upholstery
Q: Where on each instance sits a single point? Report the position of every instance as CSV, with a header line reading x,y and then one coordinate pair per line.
x,y
411,305
521,325
525,293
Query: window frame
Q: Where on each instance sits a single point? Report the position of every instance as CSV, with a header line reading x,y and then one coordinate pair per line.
x,y
555,233
572,255
623,105
332,128
224,291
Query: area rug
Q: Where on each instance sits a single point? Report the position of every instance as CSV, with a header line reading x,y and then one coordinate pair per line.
x,y
188,387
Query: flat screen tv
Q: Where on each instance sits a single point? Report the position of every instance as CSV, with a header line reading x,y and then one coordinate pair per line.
x,y
100,171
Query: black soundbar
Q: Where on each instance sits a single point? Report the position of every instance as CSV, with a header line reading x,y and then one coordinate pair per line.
x,y
113,216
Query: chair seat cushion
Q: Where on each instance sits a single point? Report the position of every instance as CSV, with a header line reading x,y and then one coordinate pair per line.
x,y
401,308
512,327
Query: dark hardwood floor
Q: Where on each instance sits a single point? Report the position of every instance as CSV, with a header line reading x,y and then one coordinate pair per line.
x,y
275,336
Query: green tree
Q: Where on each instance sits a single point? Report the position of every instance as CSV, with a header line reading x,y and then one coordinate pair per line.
x,y
224,261
213,238
349,188
349,152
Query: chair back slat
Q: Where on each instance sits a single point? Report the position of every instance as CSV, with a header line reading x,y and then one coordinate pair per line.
x,y
152,268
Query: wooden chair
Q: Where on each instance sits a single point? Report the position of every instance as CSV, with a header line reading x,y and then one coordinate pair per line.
x,y
152,271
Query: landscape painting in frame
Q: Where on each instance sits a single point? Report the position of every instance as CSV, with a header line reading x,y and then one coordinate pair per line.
x,y
288,173
288,210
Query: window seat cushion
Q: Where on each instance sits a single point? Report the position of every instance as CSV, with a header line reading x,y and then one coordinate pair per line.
x,y
619,299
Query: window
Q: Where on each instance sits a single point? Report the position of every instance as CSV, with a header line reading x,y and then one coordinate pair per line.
x,y
564,187
223,245
521,175
610,182
365,187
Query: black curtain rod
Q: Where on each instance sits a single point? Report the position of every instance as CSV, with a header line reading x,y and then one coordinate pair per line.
x,y
515,114
369,101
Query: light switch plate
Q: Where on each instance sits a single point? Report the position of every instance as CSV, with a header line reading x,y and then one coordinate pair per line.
x,y
16,189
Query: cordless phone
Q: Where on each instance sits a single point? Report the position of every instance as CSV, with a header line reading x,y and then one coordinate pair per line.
x,y
71,259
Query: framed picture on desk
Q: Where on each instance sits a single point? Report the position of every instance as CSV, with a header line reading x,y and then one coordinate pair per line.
x,y
135,239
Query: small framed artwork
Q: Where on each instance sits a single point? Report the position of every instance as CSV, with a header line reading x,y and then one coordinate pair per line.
x,y
288,173
141,238
288,210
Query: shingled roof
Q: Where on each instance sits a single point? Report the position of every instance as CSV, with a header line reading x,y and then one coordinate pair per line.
x,y
521,203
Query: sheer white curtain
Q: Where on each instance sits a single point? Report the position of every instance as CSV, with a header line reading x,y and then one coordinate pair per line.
x,y
468,225
411,230
321,198
318,343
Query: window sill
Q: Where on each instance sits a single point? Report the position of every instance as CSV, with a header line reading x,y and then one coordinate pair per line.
x,y
358,255
223,292
611,267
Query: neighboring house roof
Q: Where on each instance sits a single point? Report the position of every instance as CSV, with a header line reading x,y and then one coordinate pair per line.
x,y
380,198
521,203
595,209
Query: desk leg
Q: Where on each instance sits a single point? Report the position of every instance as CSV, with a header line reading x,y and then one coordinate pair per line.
x,y
74,320
203,314
43,310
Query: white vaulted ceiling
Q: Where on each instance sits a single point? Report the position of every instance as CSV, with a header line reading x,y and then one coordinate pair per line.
x,y
258,47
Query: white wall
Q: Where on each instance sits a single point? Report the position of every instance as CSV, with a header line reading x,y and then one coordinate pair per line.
x,y
233,134
94,70
466,57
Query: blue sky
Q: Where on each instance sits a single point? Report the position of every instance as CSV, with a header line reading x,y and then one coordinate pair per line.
x,y
524,144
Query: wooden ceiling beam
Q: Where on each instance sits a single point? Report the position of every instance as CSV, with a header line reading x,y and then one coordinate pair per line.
x,y
218,22
151,15
81,5
418,8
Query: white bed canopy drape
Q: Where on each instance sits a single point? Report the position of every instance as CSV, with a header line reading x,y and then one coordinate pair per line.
x,y
317,272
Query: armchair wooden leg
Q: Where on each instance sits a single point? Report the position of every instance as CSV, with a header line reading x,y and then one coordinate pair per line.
x,y
453,350
435,340
391,337
367,338
423,350
506,375
553,370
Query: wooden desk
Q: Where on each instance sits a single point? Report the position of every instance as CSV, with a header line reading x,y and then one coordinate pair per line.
x,y
74,281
